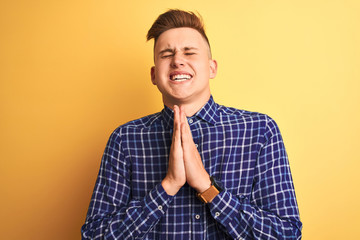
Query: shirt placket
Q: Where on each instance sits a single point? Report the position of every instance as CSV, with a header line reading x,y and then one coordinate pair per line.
x,y
197,211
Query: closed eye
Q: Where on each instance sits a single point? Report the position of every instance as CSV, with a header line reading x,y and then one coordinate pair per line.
x,y
167,55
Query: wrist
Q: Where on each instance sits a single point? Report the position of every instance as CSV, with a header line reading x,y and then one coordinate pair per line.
x,y
203,185
209,194
170,187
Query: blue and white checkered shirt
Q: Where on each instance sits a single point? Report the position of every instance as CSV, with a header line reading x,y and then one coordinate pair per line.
x,y
243,150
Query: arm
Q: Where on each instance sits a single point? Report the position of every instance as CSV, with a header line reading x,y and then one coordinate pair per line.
x,y
271,211
112,213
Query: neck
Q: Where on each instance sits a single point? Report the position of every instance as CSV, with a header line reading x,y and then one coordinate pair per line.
x,y
190,107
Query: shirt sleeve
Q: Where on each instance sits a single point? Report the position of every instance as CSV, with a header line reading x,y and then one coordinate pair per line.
x,y
112,213
270,211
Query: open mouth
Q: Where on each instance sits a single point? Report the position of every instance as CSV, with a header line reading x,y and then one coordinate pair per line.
x,y
180,77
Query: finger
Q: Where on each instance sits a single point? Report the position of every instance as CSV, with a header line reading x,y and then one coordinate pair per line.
x,y
177,136
187,130
176,120
184,119
185,135
176,115
177,127
183,114
183,122
180,115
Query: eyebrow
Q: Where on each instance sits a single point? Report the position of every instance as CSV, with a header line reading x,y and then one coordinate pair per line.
x,y
190,48
166,50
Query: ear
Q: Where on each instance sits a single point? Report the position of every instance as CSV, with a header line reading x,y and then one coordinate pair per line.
x,y
213,68
152,73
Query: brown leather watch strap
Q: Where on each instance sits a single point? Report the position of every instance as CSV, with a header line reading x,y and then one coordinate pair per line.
x,y
208,195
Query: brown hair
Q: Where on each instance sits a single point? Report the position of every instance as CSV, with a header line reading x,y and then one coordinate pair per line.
x,y
175,18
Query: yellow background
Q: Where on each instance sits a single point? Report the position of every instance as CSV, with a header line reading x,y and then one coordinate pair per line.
x,y
71,71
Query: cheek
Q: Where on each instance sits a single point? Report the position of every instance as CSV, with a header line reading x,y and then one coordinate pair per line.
x,y
203,69
161,69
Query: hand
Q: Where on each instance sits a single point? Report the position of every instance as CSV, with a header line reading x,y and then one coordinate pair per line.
x,y
196,175
175,177
185,163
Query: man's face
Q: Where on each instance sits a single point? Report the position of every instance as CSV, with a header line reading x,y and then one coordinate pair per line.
x,y
182,67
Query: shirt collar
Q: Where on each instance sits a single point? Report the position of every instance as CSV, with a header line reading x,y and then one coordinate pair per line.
x,y
208,113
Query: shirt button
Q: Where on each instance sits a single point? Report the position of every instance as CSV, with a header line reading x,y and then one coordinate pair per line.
x,y
191,121
197,216
160,208
217,214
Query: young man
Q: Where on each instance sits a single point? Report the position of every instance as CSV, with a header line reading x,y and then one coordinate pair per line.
x,y
196,170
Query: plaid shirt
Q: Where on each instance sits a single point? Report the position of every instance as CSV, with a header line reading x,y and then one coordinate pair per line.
x,y
243,150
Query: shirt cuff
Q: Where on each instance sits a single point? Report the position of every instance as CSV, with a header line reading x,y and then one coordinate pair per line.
x,y
225,208
157,202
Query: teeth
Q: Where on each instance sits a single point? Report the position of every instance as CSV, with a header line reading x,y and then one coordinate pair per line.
x,y
180,77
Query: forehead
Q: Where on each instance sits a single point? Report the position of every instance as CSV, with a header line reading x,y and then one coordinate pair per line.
x,y
180,38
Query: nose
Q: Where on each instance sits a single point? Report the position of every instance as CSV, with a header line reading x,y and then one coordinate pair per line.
x,y
177,60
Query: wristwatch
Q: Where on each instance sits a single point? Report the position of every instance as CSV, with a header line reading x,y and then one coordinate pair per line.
x,y
209,194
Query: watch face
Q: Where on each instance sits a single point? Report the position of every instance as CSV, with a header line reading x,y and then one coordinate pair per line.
x,y
216,183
